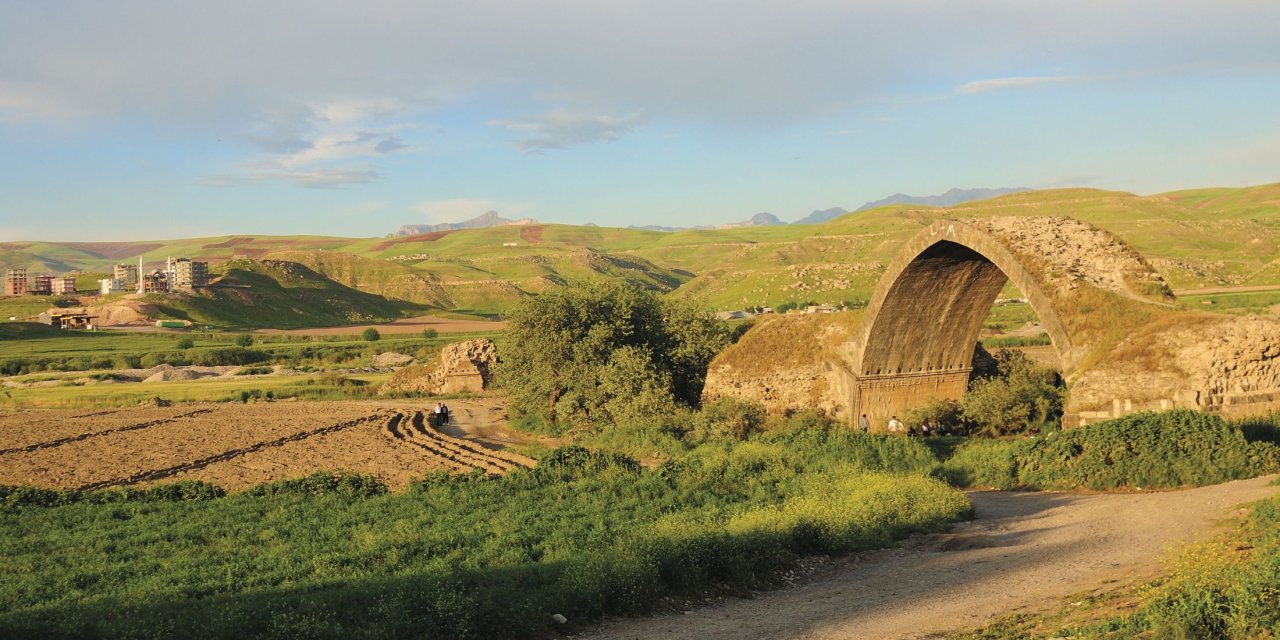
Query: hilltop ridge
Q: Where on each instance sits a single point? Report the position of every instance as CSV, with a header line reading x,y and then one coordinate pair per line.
x,y
1195,238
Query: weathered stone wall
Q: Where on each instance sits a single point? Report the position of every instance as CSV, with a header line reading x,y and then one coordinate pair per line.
x,y
1202,361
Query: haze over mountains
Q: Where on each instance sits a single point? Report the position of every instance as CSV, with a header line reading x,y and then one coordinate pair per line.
x,y
482,221
764,219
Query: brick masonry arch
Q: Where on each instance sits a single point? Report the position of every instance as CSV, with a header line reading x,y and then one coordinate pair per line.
x,y
924,319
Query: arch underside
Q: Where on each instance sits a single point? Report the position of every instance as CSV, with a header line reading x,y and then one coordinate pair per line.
x,y
926,316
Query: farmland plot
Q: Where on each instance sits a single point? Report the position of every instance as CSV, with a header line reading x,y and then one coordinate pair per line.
x,y
234,445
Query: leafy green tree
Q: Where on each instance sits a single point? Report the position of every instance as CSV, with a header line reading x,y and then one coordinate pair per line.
x,y
430,333
1021,394
371,335
600,352
244,340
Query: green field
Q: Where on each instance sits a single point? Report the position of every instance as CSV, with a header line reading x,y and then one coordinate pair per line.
x,y
583,534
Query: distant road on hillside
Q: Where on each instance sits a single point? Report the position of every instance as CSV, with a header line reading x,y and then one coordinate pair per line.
x,y
405,325
1219,290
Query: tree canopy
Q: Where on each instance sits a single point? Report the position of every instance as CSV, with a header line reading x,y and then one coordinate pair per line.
x,y
600,352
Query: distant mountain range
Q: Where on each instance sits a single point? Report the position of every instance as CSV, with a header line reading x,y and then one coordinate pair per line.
x,y
950,198
482,221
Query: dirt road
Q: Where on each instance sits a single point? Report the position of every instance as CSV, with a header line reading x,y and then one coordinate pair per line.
x,y
404,325
1023,552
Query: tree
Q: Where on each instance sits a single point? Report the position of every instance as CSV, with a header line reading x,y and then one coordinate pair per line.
x,y
1020,395
244,340
371,335
602,352
430,333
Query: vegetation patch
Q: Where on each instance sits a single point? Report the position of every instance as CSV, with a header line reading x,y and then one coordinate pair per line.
x,y
1178,448
583,534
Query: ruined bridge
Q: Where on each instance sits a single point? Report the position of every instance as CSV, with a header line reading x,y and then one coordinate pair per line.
x,y
924,319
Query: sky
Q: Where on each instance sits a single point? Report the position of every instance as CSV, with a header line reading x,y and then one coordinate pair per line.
x,y
130,120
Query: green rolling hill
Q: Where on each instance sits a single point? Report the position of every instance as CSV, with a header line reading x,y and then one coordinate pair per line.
x,y
1196,238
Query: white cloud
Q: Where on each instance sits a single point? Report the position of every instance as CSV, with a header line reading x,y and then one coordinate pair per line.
x,y
1018,82
563,128
330,144
312,178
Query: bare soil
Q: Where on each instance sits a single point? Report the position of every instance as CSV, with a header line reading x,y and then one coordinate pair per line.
x,y
1022,554
404,325
237,445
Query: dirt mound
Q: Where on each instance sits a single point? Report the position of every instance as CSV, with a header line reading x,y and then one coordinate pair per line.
x,y
174,375
392,359
463,366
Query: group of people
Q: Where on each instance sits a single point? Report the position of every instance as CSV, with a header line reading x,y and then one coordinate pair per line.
x,y
440,415
897,427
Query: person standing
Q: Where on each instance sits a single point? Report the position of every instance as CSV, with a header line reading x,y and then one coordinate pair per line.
x,y
895,425
864,425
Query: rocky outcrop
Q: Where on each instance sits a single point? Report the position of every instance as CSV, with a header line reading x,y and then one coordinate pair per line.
x,y
465,366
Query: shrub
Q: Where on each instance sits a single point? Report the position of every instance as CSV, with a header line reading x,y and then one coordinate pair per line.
x,y
228,356
1170,449
982,462
370,335
576,353
728,418
187,343
1021,395
430,334
1149,450
244,340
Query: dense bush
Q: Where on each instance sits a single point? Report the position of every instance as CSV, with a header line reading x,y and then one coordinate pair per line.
x,y
227,356
1149,450
1022,394
370,335
244,340
601,352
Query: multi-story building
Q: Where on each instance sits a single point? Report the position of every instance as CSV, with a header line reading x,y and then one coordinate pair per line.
x,y
126,273
41,285
155,281
15,282
108,286
184,273
64,286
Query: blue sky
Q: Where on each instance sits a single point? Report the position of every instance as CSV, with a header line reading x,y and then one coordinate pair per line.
x,y
135,120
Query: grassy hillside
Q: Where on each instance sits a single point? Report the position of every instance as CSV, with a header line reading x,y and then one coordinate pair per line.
x,y
1198,238
277,294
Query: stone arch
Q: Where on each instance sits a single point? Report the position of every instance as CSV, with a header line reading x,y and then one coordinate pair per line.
x,y
928,308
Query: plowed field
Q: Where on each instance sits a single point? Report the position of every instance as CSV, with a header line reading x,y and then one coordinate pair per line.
x,y
235,445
